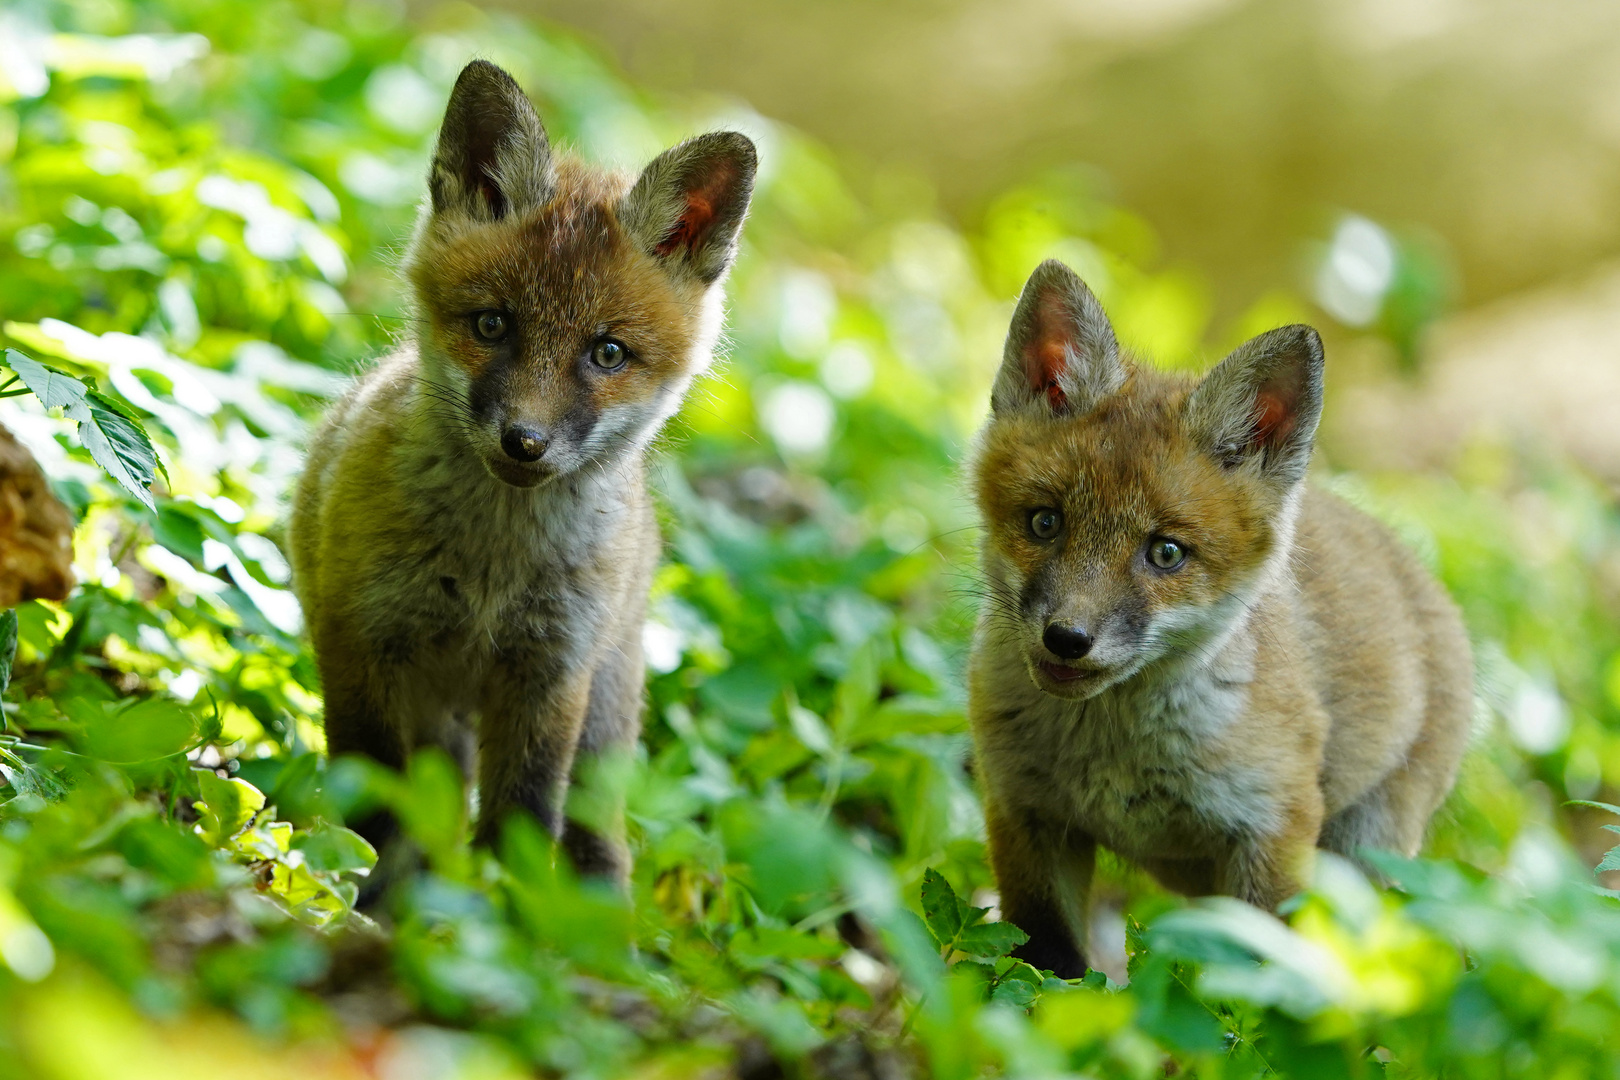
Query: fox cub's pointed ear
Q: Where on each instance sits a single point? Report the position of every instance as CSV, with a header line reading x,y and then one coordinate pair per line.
x,y
1061,352
687,207
493,157
1262,403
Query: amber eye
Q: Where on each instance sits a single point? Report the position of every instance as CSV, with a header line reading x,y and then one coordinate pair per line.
x,y
1165,553
609,355
491,325
1045,523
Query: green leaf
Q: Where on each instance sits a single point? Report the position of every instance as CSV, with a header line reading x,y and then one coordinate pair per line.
x,y
331,848
26,779
306,896
990,939
8,647
143,729
121,446
1136,949
116,440
226,807
942,912
432,805
1611,861
1610,807
974,969
178,529
1019,971
55,388
1015,992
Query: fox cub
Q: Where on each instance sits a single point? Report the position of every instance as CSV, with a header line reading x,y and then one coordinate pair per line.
x,y
1187,654
473,537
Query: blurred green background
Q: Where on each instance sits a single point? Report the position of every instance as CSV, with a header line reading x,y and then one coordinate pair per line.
x,y
201,205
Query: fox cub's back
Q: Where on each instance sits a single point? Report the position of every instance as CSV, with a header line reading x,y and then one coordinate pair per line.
x,y
1391,662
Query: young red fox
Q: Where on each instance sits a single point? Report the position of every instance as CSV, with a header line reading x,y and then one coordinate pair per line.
x,y
1188,654
473,536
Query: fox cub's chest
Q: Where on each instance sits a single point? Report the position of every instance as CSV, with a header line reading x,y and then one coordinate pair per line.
x,y
1142,769
491,568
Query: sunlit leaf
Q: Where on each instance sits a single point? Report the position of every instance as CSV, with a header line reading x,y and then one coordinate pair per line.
x,y
308,897
55,388
1610,807
121,446
117,442
1610,861
226,806
29,780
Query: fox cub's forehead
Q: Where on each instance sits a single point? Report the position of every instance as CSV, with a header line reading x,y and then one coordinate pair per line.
x,y
560,255
1127,451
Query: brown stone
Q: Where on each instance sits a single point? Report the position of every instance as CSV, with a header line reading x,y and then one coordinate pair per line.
x,y
36,531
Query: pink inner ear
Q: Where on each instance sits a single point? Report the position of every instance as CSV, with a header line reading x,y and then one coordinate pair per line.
x,y
1043,361
492,196
692,224
1047,352
700,209
1273,421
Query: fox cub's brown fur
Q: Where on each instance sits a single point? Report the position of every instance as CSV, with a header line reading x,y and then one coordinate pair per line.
x,y
1188,654
472,538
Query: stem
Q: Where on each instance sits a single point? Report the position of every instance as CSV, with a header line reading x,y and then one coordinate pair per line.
x,y
911,1014
822,917
835,779
129,542
13,741
1232,1030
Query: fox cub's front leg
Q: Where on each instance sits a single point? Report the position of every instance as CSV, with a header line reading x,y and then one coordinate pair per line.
x,y
612,725
1266,869
532,713
363,718
1045,882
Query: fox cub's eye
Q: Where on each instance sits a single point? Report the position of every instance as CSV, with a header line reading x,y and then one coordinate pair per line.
x,y
609,355
491,325
1045,523
1165,553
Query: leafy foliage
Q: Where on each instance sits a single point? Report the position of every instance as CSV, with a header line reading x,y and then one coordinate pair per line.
x,y
114,439
198,208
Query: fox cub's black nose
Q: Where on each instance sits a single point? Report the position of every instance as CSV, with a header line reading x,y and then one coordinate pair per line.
x,y
524,443
1067,642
